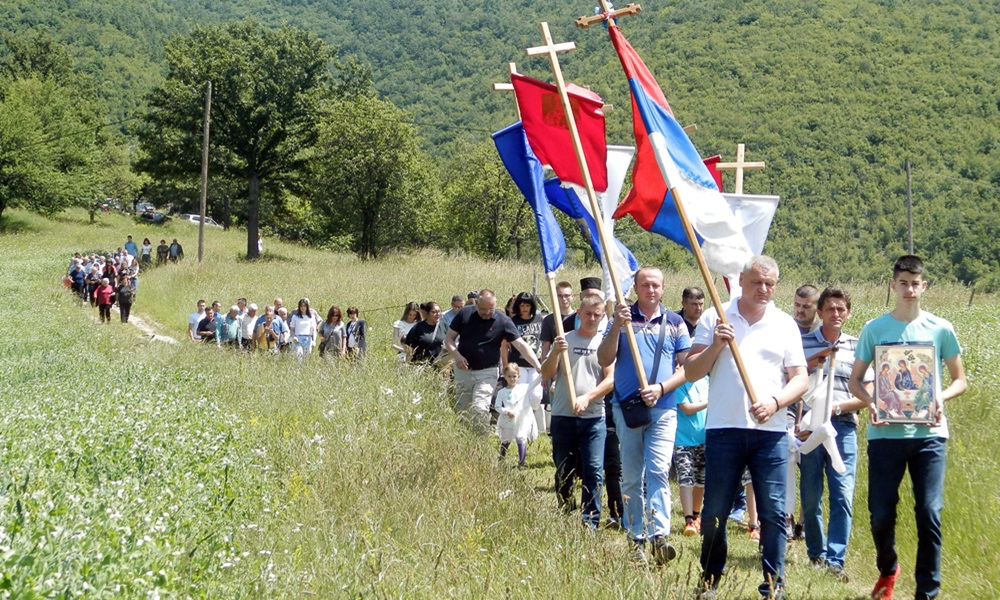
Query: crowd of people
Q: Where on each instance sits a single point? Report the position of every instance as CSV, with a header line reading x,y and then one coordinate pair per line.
x,y
630,391
243,326
112,278
619,421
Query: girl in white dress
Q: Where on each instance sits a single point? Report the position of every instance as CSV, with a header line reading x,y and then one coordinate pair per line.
x,y
516,422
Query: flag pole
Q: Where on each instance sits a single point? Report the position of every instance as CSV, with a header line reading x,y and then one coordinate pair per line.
x,y
557,315
609,17
551,50
712,292
550,277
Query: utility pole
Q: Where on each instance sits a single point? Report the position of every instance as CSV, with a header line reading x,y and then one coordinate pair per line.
x,y
909,206
204,171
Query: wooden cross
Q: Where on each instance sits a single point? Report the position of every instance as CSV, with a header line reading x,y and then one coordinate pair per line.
x,y
509,87
608,13
739,166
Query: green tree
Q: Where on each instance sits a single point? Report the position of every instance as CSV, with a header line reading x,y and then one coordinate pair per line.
x,y
267,85
35,54
488,215
371,179
48,145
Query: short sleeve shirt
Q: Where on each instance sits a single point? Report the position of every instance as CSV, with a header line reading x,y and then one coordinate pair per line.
x,y
426,340
549,327
813,343
925,329
587,374
480,338
531,331
768,347
647,336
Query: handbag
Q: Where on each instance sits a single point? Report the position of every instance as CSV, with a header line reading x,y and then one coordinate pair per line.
x,y
634,410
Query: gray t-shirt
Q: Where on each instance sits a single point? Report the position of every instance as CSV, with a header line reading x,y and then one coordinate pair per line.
x,y
587,374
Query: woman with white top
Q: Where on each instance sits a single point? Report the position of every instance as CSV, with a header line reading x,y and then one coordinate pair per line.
x,y
303,329
411,314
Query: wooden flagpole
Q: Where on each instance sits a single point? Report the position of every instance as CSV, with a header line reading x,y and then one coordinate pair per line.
x,y
552,51
713,293
549,277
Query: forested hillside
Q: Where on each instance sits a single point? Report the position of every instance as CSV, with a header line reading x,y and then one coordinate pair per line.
x,y
834,96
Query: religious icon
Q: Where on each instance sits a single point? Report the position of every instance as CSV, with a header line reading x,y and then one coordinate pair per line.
x,y
905,387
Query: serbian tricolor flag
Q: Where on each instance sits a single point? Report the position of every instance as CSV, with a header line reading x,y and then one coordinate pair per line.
x,y
666,160
526,171
548,132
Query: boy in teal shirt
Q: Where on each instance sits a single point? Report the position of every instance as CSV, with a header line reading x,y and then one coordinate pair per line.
x,y
895,448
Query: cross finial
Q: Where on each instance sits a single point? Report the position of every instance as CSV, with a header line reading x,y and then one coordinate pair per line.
x,y
551,48
739,166
509,87
608,13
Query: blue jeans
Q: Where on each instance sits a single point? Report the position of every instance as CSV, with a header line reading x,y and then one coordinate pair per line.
x,y
887,461
812,467
574,438
646,454
727,453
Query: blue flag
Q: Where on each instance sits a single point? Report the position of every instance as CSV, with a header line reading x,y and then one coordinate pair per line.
x,y
526,171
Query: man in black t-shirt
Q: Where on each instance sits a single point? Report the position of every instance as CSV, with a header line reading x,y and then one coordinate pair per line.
x,y
207,327
483,329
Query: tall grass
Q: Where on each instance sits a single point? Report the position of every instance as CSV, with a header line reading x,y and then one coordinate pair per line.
x,y
136,468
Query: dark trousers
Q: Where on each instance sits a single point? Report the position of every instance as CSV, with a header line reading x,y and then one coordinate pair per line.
x,y
574,440
124,309
888,460
727,453
104,310
613,473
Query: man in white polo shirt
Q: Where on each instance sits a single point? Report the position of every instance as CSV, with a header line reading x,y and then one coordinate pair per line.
x,y
743,435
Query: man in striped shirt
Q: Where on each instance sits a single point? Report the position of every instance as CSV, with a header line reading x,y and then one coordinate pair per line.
x,y
829,550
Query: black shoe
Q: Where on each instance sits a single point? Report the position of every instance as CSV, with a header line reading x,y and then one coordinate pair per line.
x,y
778,593
637,553
663,552
707,586
839,572
799,532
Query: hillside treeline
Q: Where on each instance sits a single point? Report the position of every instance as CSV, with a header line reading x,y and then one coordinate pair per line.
x,y
835,97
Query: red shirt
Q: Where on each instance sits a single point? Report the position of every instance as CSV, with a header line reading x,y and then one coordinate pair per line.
x,y
104,293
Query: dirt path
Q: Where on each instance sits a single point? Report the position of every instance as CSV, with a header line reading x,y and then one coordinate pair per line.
x,y
142,325
147,329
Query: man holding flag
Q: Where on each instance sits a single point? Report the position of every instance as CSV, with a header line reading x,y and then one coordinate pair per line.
x,y
647,450
741,434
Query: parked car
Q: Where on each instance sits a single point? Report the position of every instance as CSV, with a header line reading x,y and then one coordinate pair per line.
x,y
152,216
209,221
144,207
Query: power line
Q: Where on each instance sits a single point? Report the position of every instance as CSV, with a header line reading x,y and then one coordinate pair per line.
x,y
98,127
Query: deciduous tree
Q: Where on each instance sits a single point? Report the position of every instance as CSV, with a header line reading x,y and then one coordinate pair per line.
x,y
266,88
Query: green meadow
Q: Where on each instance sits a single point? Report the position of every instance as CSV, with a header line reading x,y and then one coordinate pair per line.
x,y
137,468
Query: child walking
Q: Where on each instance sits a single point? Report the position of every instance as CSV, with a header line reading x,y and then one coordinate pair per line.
x,y
516,422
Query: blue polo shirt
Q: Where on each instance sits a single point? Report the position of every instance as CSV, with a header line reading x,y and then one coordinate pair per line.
x,y
647,334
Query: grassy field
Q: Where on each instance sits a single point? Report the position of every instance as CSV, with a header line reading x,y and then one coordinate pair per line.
x,y
134,468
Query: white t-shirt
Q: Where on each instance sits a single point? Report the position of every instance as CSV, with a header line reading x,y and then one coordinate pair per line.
x,y
767,347
248,324
303,325
193,321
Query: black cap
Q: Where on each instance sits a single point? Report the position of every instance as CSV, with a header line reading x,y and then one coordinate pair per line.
x,y
590,283
473,295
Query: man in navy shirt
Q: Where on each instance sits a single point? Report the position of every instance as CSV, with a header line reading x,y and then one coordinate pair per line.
x,y
483,329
